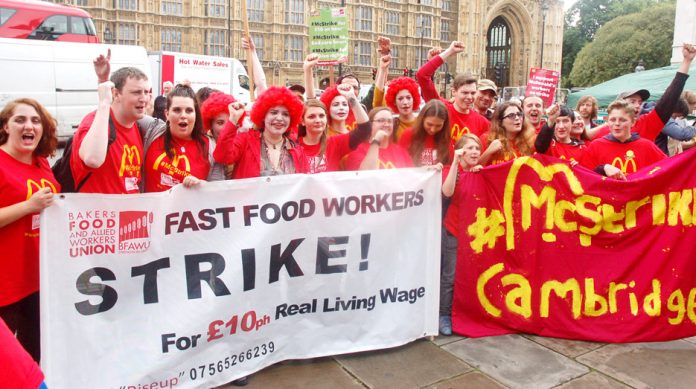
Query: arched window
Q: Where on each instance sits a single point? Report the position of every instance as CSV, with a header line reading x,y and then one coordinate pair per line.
x,y
498,52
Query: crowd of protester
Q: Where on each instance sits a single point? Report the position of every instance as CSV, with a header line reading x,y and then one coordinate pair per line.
x,y
190,138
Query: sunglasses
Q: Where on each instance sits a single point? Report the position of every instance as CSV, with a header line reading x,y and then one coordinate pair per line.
x,y
513,115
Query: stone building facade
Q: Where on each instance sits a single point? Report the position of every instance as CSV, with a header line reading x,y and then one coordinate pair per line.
x,y
506,34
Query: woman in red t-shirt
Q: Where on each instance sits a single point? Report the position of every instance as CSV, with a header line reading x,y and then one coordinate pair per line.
x,y
465,161
426,142
510,135
180,153
27,185
382,152
324,153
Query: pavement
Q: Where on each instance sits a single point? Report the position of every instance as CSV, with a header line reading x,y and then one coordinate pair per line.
x,y
509,361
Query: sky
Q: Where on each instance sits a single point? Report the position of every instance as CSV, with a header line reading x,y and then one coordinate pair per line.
x,y
567,4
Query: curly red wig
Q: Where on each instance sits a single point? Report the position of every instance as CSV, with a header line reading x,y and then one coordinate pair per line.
x,y
397,85
215,104
327,97
273,97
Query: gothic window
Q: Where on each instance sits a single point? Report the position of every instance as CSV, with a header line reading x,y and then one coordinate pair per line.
x,y
498,51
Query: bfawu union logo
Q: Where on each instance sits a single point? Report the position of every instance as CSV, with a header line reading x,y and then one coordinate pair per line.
x,y
96,232
134,231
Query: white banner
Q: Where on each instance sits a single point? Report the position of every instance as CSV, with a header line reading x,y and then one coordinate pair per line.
x,y
195,287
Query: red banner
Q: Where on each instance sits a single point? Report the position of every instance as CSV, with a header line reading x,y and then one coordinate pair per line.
x,y
542,83
558,251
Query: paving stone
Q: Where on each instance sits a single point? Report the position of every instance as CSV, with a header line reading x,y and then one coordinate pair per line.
x,y
441,340
647,365
593,380
414,365
569,348
517,362
691,339
317,373
473,380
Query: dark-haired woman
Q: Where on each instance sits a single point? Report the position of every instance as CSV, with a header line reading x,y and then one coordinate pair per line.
x,y
382,152
324,153
27,185
266,150
179,153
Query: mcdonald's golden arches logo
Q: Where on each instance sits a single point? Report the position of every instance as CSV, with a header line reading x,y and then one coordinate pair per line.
x,y
628,160
385,165
457,132
130,155
175,161
33,186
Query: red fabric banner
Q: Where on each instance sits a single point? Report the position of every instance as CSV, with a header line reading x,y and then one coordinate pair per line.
x,y
555,250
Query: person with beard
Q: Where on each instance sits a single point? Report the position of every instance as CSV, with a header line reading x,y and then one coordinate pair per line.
x,y
463,118
587,106
484,101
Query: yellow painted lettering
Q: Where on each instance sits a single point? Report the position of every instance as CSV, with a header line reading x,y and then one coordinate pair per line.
x,y
680,207
691,305
632,299
631,210
483,279
592,300
529,198
562,206
658,209
591,214
610,218
613,288
561,290
675,303
519,299
652,304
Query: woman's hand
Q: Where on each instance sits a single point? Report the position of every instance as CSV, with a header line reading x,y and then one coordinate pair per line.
x,y
495,146
380,136
476,169
236,110
346,90
437,167
384,62
310,61
384,45
191,181
457,155
248,43
40,200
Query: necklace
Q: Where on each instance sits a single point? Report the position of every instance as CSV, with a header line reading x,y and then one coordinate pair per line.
x,y
273,145
179,145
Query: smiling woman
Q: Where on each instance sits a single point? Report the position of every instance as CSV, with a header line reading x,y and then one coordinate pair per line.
x,y
27,185
267,150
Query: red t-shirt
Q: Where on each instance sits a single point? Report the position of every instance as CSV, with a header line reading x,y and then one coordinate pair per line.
x,y
566,150
121,170
337,147
19,240
470,123
451,220
162,172
391,157
629,157
19,370
648,126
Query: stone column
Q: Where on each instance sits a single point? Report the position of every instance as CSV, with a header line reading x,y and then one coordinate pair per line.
x,y
684,28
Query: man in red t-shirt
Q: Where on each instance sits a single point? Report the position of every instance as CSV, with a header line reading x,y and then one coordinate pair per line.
x,y
533,108
99,164
463,118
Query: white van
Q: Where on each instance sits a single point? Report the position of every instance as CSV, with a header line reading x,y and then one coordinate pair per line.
x,y
60,75
224,74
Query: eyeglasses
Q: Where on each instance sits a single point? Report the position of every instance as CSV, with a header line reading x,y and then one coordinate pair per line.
x,y
384,121
513,115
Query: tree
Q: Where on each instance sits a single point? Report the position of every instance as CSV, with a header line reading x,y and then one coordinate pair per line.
x,y
585,17
622,42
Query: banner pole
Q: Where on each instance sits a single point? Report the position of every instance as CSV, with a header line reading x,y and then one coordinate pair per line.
x,y
249,54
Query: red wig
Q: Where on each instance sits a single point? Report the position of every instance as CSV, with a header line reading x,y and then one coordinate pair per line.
x,y
273,97
327,98
397,85
216,104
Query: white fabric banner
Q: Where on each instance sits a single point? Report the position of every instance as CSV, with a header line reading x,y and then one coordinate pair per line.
x,y
195,287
